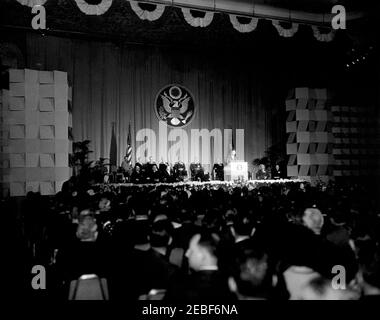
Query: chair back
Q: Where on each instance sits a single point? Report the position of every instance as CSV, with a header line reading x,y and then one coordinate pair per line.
x,y
89,287
154,294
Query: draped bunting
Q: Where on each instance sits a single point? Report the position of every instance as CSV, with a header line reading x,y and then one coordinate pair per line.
x,y
324,37
94,9
197,21
104,5
32,3
283,32
243,27
146,14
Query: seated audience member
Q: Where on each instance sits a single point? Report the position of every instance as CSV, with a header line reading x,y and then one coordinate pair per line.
x,y
133,242
312,218
206,283
320,288
307,255
86,255
338,231
87,227
104,203
252,277
242,229
185,231
262,174
152,269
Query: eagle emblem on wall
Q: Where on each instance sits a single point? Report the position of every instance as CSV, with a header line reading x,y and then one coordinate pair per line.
x,y
175,106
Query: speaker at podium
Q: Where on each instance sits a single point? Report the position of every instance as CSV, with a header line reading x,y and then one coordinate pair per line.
x,y
236,170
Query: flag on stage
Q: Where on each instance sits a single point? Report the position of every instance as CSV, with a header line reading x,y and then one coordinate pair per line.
x,y
113,150
129,147
233,142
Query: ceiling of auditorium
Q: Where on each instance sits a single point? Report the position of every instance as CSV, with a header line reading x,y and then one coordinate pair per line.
x,y
120,23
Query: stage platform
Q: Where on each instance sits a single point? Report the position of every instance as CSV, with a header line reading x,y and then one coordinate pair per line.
x,y
250,184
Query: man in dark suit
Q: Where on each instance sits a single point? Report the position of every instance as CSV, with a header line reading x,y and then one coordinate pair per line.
x,y
197,172
218,171
151,268
206,283
164,172
137,176
263,173
154,174
179,171
277,173
241,230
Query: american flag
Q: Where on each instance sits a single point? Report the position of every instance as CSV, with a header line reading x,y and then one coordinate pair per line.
x,y
129,147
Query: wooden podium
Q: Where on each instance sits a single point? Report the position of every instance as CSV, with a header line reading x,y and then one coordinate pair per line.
x,y
236,170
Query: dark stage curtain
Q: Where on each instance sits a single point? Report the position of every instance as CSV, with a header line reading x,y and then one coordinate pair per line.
x,y
119,84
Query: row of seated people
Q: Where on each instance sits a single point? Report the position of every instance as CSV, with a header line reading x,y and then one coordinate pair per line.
x,y
150,172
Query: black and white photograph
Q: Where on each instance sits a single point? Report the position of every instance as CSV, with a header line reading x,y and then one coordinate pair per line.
x,y
186,155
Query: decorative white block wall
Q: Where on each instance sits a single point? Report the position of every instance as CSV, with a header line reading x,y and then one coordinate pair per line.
x,y
35,122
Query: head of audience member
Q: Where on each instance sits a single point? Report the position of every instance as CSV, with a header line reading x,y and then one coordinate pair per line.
x,y
252,277
229,216
141,230
104,203
203,251
262,167
242,227
312,218
87,227
212,220
160,236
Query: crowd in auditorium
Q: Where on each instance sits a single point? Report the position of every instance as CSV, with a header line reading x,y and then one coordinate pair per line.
x,y
203,243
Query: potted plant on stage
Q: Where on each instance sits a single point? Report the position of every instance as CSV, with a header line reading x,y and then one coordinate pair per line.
x,y
80,163
100,170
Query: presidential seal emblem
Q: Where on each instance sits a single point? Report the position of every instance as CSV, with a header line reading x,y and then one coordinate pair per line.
x,y
175,106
